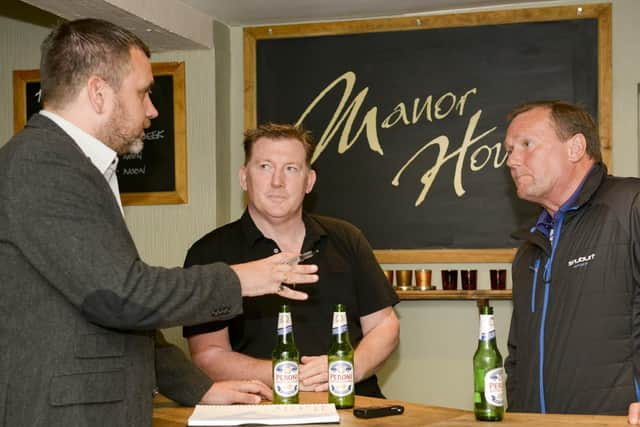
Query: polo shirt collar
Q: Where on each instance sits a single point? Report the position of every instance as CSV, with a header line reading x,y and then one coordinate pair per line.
x,y
313,230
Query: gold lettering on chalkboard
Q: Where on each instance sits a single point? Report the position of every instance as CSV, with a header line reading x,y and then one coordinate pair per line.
x,y
347,117
443,106
497,160
400,113
400,110
442,144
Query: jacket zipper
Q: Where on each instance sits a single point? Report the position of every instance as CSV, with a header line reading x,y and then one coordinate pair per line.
x,y
535,268
554,237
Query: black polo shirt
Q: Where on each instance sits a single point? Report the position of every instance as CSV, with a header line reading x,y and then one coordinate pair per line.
x,y
349,274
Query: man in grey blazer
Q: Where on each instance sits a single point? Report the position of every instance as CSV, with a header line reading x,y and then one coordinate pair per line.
x,y
79,309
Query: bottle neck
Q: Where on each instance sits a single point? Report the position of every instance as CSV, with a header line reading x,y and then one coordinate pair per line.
x,y
487,329
339,328
286,338
341,338
285,328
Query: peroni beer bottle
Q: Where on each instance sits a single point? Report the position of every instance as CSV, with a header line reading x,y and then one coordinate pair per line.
x,y
341,369
488,373
285,359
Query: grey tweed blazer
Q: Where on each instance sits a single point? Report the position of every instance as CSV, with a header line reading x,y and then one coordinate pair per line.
x,y
79,309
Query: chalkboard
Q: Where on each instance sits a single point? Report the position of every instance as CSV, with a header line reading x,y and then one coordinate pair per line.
x,y
157,175
410,119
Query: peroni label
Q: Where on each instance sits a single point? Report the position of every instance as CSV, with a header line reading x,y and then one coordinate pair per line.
x,y
340,378
494,387
487,327
339,322
284,324
285,378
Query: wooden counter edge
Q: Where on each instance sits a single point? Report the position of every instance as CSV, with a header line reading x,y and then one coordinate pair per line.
x,y
169,414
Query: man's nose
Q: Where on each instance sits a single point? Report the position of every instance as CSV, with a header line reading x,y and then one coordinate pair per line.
x,y
151,111
277,179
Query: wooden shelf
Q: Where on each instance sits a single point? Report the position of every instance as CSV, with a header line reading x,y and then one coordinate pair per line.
x,y
480,294
426,256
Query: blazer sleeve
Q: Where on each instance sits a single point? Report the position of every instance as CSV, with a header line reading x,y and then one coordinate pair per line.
x,y
65,221
176,377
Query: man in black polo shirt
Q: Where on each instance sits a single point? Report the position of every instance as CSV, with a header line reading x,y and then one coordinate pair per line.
x,y
276,176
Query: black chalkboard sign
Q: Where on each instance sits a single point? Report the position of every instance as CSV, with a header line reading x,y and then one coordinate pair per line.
x,y
33,98
157,175
153,168
410,124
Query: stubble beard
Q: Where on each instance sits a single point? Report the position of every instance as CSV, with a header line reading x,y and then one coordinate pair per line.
x,y
136,146
118,135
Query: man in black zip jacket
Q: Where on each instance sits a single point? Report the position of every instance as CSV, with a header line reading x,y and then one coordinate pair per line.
x,y
574,341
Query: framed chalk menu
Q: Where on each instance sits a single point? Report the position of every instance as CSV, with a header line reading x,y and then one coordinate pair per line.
x,y
409,116
158,174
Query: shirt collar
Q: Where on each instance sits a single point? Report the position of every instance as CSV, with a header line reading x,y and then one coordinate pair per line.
x,y
313,230
101,156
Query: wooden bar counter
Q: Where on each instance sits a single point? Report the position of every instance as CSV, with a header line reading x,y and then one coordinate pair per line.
x,y
169,414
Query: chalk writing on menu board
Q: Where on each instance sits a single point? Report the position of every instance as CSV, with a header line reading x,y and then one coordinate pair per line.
x,y
410,124
150,176
153,168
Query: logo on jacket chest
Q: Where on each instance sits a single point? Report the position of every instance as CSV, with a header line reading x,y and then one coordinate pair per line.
x,y
581,261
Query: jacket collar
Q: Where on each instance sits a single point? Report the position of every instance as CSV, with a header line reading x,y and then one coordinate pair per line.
x,y
102,156
594,179
39,121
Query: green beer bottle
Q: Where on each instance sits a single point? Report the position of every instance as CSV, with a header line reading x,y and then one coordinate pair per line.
x,y
341,369
285,359
488,373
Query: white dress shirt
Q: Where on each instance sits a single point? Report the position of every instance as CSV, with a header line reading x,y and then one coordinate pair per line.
x,y
102,157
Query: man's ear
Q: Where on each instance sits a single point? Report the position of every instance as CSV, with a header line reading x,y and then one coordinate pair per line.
x,y
311,180
97,90
242,175
577,147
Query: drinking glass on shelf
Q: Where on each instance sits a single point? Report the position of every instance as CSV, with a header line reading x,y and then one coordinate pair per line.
x,y
498,279
423,279
403,279
453,279
469,279
389,274
449,280
502,279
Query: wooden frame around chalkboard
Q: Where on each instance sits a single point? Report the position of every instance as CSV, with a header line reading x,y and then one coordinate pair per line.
x,y
174,69
601,12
